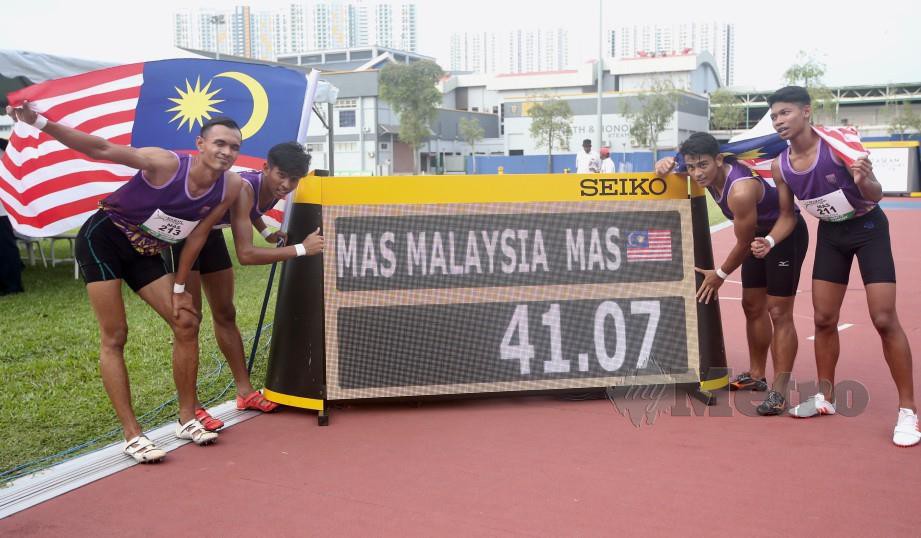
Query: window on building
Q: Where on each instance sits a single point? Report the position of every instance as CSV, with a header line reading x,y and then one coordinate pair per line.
x,y
384,146
319,148
346,118
346,147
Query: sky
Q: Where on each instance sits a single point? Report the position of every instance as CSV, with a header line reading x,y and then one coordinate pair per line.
x,y
865,46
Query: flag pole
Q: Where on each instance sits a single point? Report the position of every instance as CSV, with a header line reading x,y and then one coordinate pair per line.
x,y
265,304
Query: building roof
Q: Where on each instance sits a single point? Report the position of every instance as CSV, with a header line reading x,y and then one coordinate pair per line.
x,y
351,59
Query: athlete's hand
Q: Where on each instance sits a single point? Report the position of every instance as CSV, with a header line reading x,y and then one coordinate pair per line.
x,y
314,243
861,169
708,287
184,301
277,237
665,165
23,113
760,247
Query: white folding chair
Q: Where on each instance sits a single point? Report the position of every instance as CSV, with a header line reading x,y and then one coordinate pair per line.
x,y
30,244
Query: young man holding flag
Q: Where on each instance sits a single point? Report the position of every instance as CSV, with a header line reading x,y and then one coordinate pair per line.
x,y
286,163
171,197
768,285
837,185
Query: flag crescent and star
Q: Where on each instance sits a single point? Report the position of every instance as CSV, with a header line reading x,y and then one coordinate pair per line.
x,y
260,102
194,105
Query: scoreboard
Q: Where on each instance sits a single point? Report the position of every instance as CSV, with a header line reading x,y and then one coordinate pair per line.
x,y
434,285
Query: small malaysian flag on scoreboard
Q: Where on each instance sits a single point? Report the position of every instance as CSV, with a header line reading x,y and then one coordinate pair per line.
x,y
649,246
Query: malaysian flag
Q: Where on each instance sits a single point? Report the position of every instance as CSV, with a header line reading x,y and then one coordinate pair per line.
x,y
48,188
649,246
757,147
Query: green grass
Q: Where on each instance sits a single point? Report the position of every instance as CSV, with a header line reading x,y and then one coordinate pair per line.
x,y
53,397
714,213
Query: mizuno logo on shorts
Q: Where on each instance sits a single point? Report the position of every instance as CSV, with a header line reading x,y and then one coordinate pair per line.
x,y
783,263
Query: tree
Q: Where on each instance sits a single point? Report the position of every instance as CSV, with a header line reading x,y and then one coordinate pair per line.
x,y
808,73
551,125
410,91
472,132
725,112
903,119
657,107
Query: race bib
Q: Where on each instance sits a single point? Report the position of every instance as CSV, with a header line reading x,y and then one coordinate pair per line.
x,y
167,228
832,207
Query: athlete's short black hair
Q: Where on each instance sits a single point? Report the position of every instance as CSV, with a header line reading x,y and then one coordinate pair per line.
x,y
587,141
790,94
290,158
700,144
218,120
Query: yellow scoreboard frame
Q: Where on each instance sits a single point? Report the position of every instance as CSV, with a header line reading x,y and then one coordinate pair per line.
x,y
361,324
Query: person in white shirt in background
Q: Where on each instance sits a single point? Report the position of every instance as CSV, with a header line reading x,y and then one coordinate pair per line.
x,y
587,162
607,164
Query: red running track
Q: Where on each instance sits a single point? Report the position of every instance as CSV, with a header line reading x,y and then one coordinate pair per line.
x,y
539,466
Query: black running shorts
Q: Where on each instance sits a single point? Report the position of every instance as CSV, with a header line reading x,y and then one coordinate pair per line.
x,y
213,257
779,270
867,237
104,253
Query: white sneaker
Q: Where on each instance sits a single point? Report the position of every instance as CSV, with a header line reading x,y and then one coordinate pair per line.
x,y
817,405
906,429
195,432
143,450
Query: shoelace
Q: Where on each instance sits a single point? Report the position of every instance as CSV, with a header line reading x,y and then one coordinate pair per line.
x,y
907,421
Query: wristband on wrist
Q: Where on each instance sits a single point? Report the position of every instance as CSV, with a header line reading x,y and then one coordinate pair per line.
x,y
266,233
301,249
178,288
721,274
770,240
40,122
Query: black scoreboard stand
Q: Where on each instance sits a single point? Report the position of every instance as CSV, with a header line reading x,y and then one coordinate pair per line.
x,y
714,372
299,380
296,373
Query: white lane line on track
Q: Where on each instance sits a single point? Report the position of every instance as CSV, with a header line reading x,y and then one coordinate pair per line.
x,y
841,327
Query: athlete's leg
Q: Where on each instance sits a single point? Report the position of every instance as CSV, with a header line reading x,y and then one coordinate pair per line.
x,y
158,294
782,266
881,301
826,301
106,300
757,329
784,343
219,287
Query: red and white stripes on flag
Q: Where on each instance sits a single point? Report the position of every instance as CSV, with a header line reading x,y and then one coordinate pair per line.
x,y
656,246
275,217
843,141
48,188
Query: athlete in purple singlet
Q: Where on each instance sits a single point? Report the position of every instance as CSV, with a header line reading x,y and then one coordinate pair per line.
x,y
285,165
170,198
851,223
768,285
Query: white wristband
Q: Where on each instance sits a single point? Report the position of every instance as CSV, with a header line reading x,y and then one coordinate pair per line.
x,y
770,241
40,122
266,233
301,249
721,274
178,288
